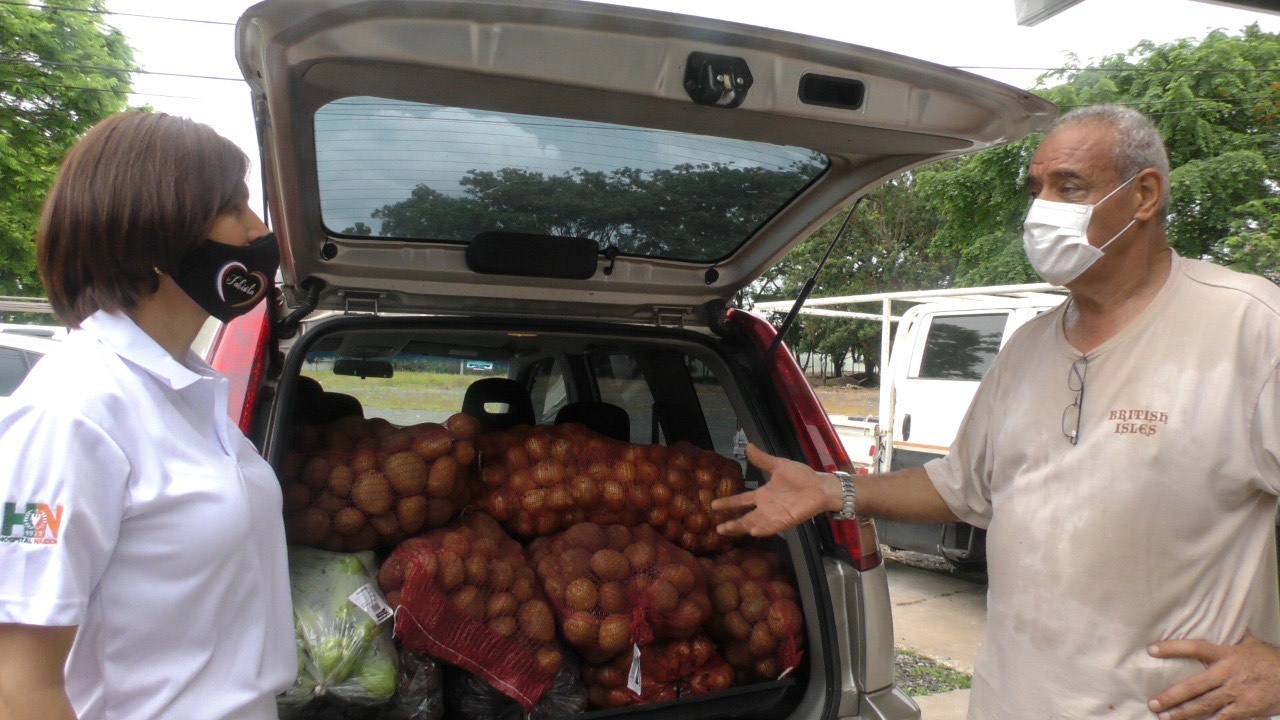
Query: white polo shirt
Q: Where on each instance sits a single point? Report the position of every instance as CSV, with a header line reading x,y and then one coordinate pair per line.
x,y
136,510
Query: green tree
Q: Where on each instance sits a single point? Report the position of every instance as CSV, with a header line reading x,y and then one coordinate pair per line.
x,y
60,72
705,207
1217,103
958,223
984,201
885,248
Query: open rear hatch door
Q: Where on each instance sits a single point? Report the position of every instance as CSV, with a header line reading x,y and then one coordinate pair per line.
x,y
569,159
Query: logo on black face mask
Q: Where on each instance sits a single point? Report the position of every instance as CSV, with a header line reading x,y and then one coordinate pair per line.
x,y
237,285
229,280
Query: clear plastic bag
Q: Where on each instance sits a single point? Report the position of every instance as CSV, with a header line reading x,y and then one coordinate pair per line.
x,y
345,650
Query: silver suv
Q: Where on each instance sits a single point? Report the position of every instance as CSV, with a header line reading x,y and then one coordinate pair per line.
x,y
575,197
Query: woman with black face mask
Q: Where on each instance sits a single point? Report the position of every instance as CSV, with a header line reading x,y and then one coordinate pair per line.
x,y
142,555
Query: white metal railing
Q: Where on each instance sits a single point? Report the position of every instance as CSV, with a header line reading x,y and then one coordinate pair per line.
x,y
9,303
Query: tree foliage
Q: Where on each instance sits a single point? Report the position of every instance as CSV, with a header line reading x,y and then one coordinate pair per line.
x,y
688,211
1217,103
883,249
58,76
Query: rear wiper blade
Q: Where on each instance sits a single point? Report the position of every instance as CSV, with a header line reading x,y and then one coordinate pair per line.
x,y
808,286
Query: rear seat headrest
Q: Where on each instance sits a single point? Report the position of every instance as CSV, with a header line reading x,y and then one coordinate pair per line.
x,y
483,394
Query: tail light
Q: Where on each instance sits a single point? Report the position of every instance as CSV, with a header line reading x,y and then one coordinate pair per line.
x,y
822,447
239,351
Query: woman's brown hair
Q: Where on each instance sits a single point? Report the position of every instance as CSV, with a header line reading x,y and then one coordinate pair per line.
x,y
136,193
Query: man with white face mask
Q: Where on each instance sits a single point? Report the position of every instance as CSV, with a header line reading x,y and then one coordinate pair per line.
x,y
1131,564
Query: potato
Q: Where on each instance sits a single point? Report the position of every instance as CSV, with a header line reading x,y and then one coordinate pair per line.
x,y
581,594
407,473
387,525
315,472
296,496
615,634
442,476
610,565
349,521
463,426
308,526
372,492
504,625
396,440
536,621
432,441
411,514
341,478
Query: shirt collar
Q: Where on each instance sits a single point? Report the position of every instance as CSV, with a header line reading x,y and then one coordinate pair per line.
x,y
119,332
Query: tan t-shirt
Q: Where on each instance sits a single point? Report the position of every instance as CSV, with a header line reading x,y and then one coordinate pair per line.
x,y
1158,524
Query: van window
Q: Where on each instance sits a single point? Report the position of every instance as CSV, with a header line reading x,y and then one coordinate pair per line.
x,y
620,381
546,390
13,370
722,421
961,347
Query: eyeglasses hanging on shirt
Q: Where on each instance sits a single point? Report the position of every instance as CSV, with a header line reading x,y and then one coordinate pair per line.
x,y
1071,413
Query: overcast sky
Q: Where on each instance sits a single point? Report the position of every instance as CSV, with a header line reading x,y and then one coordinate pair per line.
x,y
978,35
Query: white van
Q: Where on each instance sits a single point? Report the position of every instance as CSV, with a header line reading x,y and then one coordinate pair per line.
x,y
941,351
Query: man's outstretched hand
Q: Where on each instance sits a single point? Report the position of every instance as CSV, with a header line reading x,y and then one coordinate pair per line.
x,y
794,493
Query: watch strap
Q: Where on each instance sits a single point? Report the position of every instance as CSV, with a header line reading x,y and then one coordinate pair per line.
x,y
848,496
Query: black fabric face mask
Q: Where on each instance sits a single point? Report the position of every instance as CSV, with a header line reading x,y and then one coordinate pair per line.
x,y
229,280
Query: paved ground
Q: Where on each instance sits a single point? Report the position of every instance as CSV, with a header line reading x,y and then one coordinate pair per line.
x,y
942,617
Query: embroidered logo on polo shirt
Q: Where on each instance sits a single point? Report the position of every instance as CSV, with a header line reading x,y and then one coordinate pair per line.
x,y
33,523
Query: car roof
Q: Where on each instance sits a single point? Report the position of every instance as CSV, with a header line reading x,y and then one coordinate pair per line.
x,y
29,343
468,101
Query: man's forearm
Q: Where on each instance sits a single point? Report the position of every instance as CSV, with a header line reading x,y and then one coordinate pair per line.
x,y
906,495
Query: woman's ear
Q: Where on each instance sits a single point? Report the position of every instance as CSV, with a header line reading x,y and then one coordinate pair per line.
x,y
1150,186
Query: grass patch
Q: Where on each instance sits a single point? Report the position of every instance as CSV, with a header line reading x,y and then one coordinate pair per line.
x,y
917,675
415,391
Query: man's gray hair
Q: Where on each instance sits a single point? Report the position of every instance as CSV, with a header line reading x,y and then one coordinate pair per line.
x,y
1138,145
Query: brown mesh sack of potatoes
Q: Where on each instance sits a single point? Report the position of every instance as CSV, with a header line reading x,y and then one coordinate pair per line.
x,y
614,587
667,671
467,595
538,480
757,620
361,484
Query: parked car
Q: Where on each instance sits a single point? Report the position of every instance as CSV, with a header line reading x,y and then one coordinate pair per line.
x,y
579,192
19,352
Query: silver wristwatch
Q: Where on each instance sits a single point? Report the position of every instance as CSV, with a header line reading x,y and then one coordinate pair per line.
x,y
848,496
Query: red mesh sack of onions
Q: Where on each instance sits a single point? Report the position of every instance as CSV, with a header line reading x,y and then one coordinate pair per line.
x,y
757,620
467,595
537,480
667,671
615,587
360,484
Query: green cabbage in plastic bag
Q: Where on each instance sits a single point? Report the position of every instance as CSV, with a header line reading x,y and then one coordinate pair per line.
x,y
344,651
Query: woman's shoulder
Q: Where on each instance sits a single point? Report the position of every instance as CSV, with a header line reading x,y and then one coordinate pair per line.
x,y
80,377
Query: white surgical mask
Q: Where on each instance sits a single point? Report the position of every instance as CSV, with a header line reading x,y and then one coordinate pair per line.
x,y
1055,236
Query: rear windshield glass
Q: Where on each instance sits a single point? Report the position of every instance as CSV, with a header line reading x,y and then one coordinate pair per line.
x,y
415,171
